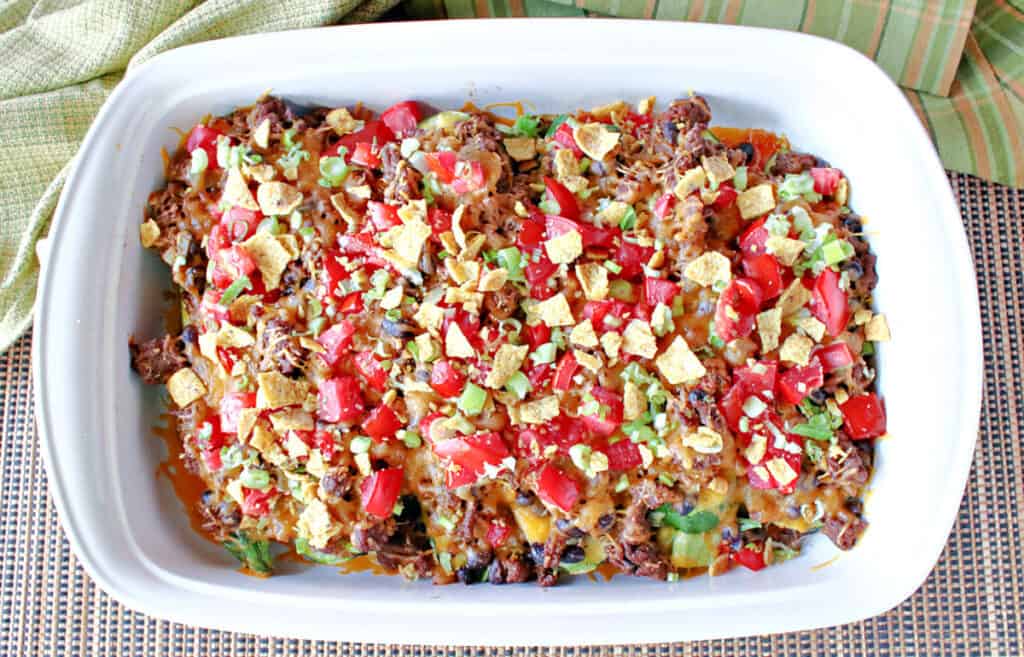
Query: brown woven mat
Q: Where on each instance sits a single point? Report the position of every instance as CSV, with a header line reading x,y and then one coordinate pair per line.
x,y
972,604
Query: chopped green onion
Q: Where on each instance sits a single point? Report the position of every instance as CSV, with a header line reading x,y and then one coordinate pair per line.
x,y
710,136
868,349
559,120
307,233
518,385
270,225
446,522
473,399
333,170
694,522
237,286
360,444
746,524
739,179
255,555
200,161
621,290
628,221
525,126
316,325
550,206
544,353
511,260
836,251
257,479
667,479
410,439
798,185
614,267
622,484
394,314
304,549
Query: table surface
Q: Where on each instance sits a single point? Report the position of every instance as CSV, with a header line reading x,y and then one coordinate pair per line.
x,y
971,604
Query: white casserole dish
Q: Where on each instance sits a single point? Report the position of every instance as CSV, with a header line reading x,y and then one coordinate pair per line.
x,y
99,286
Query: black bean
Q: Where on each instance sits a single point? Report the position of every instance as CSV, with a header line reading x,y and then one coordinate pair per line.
x,y
573,554
853,223
189,335
422,375
819,396
821,162
748,150
854,268
537,552
606,522
522,499
698,396
598,168
684,507
206,498
669,129
466,575
296,109
567,528
793,511
855,506
410,509
396,329
705,307
727,534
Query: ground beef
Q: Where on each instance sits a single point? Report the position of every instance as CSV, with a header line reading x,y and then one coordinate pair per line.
x,y
370,534
157,359
478,130
401,182
688,111
219,517
844,530
337,482
547,569
784,536
647,561
635,528
280,350
852,470
511,570
166,208
790,162
502,303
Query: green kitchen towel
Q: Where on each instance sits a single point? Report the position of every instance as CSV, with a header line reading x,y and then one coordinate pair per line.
x,y
61,59
961,63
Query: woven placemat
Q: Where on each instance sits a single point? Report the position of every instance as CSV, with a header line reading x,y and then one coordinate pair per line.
x,y
971,604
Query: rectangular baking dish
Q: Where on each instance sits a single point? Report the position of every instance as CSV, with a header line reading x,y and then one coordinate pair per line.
x,y
99,286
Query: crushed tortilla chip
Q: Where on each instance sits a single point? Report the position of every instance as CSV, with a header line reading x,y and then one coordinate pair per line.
x,y
315,465
246,421
236,191
793,299
456,345
427,347
185,387
232,336
261,135
507,362
786,249
589,362
566,164
611,342
877,329
521,148
593,279
613,213
555,311
277,198
538,412
469,299
291,419
718,169
704,441
316,526
565,248
276,390
796,349
755,201
413,210
409,239
781,470
341,121
260,172
149,233
270,255
645,105
813,327
634,401
392,298
862,317
493,280
709,268
262,439
690,182
295,447
638,340
769,327
583,334
595,140
605,111
340,203
678,364
429,316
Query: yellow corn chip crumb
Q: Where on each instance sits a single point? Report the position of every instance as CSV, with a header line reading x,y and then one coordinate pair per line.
x,y
149,233
709,268
638,340
185,387
877,329
565,248
583,334
593,279
796,349
756,201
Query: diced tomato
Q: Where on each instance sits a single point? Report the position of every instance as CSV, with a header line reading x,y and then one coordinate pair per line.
x,y
365,156
537,335
237,261
659,290
427,421
446,380
663,206
757,378
731,406
531,235
206,139
375,133
826,180
566,369
217,239
764,269
752,559
402,118
340,400
382,423
332,272
380,491
256,503
239,223
210,307
539,376
442,163
623,455
383,216
220,278
557,488
835,356
726,197
469,325
563,135
469,177
632,258
369,367
754,238
538,273
565,199
440,220
209,446
468,456
231,405
498,532
734,313
336,341
863,416
611,404
324,441
829,303
351,303
798,382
